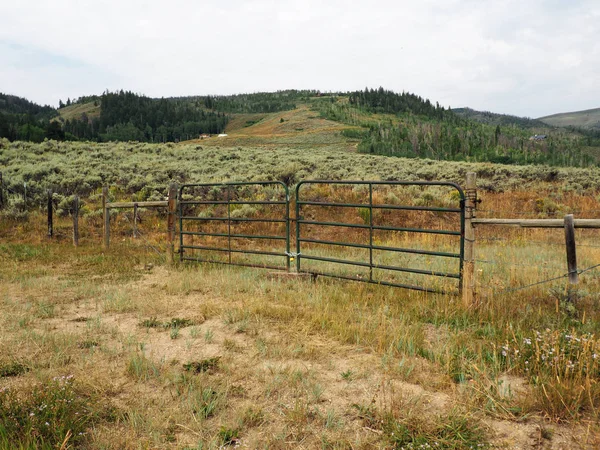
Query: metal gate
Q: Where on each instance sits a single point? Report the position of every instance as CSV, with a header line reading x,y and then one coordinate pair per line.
x,y
248,224
245,224
362,232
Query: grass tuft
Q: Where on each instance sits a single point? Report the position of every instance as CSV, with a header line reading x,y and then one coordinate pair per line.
x,y
13,369
203,366
50,415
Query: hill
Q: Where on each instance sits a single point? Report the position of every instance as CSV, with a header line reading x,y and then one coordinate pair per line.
x,y
587,119
491,118
374,121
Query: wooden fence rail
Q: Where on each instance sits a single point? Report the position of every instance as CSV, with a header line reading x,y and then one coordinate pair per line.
x,y
538,223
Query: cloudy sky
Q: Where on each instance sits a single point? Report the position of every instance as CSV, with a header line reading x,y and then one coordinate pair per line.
x,y
523,57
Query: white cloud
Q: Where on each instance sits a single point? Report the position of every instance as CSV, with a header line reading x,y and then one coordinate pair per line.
x,y
528,58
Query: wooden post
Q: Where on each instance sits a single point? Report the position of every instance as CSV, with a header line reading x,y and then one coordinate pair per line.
x,y
24,196
135,217
468,280
50,212
106,214
172,209
571,250
76,221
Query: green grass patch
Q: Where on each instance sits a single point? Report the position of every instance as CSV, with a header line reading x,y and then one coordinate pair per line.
x,y
47,416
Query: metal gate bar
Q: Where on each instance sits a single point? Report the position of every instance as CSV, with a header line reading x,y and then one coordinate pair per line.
x,y
371,227
229,220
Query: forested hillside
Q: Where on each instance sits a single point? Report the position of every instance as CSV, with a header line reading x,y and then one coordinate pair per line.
x,y
261,102
409,126
23,120
125,116
378,121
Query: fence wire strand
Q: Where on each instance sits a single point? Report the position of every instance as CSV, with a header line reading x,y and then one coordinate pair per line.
x,y
537,283
499,263
146,242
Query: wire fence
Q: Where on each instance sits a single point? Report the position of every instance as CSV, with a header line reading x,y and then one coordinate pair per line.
x,y
532,241
545,267
538,283
8,190
26,201
141,235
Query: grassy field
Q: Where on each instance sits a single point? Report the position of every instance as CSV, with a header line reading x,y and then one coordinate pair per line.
x,y
114,349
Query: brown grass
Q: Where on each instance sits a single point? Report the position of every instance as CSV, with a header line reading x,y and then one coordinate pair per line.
x,y
298,364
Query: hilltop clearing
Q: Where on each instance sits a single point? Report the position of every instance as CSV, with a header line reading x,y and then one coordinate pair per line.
x,y
77,110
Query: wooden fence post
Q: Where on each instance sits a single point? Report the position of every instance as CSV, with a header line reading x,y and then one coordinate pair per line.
x,y
50,215
76,221
571,249
135,218
172,209
106,214
468,286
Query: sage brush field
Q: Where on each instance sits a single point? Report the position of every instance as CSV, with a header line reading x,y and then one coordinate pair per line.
x,y
144,170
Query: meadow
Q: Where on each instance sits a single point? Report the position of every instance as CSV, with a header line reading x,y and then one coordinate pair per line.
x,y
113,349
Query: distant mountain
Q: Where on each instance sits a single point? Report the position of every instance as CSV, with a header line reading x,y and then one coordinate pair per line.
x,y
588,119
503,120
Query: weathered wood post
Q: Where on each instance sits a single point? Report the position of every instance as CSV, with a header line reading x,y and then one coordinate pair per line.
x,y
135,218
571,249
468,280
172,209
76,221
106,214
50,215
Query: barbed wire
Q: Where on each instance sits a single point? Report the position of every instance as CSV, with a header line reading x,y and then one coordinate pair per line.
x,y
537,283
529,241
588,269
500,263
146,242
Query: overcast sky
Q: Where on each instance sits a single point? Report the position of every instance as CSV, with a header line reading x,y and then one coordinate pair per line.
x,y
525,57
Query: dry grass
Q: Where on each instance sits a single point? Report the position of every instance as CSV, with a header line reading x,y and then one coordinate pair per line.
x,y
295,364
75,111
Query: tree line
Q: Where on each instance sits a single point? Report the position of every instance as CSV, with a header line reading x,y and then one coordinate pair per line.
x,y
23,120
126,116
